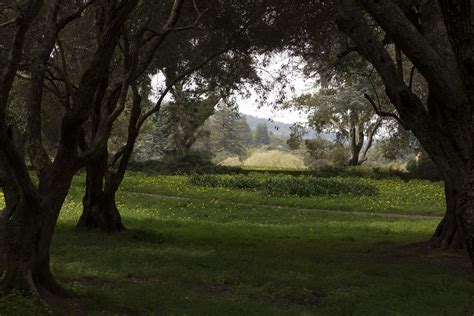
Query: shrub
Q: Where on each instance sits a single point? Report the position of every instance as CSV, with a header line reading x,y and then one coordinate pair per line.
x,y
274,158
422,167
308,186
288,185
190,164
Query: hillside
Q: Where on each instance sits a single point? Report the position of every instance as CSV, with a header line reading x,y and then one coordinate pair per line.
x,y
279,128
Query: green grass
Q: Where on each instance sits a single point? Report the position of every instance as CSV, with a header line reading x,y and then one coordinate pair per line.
x,y
287,185
395,196
210,256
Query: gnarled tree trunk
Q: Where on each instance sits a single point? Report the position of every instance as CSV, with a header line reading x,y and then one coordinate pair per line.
x,y
449,233
99,207
25,253
104,178
357,141
26,230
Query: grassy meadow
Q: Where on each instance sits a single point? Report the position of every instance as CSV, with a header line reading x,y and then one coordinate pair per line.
x,y
200,250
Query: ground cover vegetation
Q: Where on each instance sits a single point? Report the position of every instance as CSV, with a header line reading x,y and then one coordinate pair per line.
x,y
287,185
211,255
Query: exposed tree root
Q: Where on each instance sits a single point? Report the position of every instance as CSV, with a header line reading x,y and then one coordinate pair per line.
x,y
448,234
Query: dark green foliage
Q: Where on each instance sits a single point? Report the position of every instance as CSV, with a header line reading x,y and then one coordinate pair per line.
x,y
245,133
324,153
179,125
190,164
401,144
297,131
17,304
287,185
422,167
261,136
229,133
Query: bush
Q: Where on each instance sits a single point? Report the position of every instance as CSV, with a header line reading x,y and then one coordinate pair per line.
x,y
422,167
288,185
309,186
274,158
190,164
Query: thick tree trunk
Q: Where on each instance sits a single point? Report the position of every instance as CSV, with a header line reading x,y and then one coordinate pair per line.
x,y
26,234
357,140
99,207
103,180
354,161
100,212
449,234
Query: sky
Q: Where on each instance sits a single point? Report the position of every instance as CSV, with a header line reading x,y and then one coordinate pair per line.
x,y
298,84
250,104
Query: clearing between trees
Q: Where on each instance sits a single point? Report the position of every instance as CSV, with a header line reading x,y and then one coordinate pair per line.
x,y
221,251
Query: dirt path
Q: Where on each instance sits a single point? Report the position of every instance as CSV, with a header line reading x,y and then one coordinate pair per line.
x,y
297,209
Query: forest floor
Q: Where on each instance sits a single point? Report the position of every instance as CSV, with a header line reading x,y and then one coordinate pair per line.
x,y
221,251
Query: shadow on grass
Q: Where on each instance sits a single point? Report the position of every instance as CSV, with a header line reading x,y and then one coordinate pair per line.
x,y
332,264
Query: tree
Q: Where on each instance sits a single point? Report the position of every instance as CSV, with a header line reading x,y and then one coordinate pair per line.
x,y
226,131
400,144
219,56
433,37
261,136
103,173
297,131
31,211
179,124
322,152
245,133
342,108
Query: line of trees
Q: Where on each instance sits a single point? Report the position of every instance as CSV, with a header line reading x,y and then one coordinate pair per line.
x,y
88,61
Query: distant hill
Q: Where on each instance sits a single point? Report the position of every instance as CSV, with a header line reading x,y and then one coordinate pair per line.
x,y
276,127
279,128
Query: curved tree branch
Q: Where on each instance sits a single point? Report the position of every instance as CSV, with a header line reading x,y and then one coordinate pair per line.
x,y
382,113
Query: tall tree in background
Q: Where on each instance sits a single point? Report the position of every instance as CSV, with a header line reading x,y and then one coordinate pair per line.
x,y
261,136
245,133
225,131
297,131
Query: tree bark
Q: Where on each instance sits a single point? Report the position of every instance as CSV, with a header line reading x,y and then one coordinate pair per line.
x,y
444,124
99,207
25,253
449,233
357,141
26,231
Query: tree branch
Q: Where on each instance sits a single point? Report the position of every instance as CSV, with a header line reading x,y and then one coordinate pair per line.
x,y
446,85
170,85
382,113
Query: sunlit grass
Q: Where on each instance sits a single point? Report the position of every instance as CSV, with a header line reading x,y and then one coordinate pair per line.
x,y
395,196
